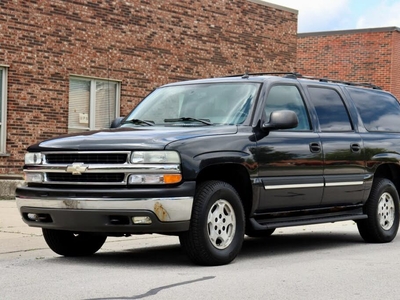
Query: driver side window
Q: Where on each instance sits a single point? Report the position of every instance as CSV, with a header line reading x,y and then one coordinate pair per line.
x,y
287,97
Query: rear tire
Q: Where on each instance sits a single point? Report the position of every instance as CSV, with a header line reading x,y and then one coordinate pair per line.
x,y
68,243
216,230
382,208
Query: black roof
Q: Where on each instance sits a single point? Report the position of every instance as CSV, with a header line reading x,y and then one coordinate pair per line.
x,y
263,76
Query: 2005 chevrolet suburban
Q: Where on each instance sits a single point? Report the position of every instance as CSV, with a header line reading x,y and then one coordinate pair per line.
x,y
212,160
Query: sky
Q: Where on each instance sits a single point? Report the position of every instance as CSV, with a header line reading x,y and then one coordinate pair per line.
x,y
329,15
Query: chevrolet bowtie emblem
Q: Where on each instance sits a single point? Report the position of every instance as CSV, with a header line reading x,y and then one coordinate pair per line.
x,y
77,168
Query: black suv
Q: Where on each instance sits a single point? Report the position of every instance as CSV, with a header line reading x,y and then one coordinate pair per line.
x,y
212,160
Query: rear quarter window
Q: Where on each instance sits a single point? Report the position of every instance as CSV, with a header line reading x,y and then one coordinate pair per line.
x,y
379,111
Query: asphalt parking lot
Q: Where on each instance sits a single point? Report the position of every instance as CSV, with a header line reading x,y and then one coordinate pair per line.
x,y
328,261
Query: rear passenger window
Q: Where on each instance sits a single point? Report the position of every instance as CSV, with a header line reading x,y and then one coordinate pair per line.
x,y
379,111
331,111
287,97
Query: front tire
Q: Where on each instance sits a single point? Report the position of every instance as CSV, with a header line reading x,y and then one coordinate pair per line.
x,y
217,225
382,208
68,243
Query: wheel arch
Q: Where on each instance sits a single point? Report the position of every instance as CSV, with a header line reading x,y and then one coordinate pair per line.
x,y
389,171
234,174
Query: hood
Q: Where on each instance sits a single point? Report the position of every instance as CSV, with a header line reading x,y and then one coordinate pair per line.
x,y
129,138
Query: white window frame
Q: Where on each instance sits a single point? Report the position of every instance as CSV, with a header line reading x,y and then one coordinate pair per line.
x,y
3,103
92,98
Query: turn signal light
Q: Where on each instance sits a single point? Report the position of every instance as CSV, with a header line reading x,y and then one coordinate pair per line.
x,y
172,178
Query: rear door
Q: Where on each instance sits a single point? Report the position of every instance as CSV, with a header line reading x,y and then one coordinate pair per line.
x,y
342,146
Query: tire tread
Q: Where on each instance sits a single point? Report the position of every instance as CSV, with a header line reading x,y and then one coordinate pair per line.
x,y
370,229
192,240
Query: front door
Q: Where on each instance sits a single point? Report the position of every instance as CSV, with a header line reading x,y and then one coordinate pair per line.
x,y
290,161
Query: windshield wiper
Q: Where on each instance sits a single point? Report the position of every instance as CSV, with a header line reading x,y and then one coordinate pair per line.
x,y
204,121
138,121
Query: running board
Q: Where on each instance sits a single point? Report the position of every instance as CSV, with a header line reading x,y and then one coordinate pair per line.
x,y
315,219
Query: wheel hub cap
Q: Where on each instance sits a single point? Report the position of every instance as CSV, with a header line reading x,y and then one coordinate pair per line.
x,y
221,224
386,211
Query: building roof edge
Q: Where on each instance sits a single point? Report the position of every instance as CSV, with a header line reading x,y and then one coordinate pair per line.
x,y
349,31
266,3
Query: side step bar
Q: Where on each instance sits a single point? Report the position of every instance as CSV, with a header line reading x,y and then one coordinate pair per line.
x,y
315,219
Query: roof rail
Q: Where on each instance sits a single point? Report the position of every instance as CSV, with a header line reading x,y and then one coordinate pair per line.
x,y
295,75
363,84
288,74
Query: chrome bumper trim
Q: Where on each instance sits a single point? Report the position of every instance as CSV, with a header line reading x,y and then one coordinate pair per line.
x,y
166,209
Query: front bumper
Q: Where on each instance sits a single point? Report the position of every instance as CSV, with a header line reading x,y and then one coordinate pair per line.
x,y
93,211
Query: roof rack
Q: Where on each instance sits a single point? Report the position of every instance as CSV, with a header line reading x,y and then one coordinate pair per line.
x,y
295,75
363,84
287,74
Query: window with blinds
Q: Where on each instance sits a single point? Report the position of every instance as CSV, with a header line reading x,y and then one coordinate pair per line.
x,y
92,104
105,103
79,101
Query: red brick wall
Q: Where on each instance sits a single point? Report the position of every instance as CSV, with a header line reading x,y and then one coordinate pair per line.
x,y
395,76
143,43
357,55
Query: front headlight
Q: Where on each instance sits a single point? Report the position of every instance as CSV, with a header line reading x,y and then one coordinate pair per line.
x,y
154,174
155,157
33,158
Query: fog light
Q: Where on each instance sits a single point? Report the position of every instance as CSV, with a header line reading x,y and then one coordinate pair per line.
x,y
33,217
34,177
141,220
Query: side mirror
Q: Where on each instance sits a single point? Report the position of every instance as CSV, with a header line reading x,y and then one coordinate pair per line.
x,y
116,123
281,119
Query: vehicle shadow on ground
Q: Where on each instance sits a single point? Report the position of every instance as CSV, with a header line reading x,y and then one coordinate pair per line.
x,y
166,255
288,244
173,255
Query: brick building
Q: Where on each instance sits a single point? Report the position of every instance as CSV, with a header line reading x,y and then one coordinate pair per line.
x,y
70,66
364,55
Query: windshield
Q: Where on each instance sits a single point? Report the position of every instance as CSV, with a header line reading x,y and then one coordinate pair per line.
x,y
197,104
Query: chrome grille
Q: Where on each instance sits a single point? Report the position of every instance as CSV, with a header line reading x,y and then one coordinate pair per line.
x,y
87,158
90,177
101,168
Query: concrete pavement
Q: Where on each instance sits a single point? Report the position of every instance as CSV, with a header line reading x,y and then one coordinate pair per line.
x,y
18,239
15,235
322,262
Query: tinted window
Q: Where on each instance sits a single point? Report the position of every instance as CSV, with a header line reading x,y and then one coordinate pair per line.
x,y
282,97
379,111
332,113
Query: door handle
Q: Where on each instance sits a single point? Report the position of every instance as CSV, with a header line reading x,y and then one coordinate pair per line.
x,y
315,147
355,148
